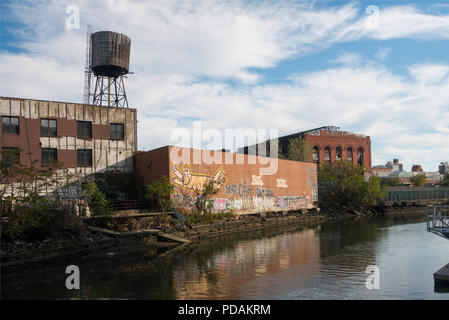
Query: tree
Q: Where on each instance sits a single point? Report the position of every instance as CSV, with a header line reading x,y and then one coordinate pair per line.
x,y
418,180
98,202
344,188
298,150
390,182
203,193
160,191
445,181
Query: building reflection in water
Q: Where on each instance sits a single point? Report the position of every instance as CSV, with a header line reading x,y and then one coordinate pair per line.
x,y
224,274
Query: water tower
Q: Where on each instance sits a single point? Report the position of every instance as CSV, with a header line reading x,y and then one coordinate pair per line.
x,y
108,60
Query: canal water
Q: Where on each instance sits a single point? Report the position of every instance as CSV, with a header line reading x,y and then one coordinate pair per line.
x,y
322,261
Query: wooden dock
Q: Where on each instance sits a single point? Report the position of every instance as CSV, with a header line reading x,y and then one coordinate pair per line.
x,y
441,277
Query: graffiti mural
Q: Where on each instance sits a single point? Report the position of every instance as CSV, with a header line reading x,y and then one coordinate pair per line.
x,y
185,179
293,202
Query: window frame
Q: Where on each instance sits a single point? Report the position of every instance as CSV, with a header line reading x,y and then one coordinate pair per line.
x,y
89,129
115,125
48,134
9,126
80,161
47,162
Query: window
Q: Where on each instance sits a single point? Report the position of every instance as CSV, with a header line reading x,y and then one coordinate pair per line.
x,y
49,157
84,158
84,129
48,127
349,154
327,154
10,125
338,153
10,155
117,131
315,154
360,156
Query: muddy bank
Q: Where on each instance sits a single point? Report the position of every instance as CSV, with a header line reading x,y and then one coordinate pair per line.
x,y
122,235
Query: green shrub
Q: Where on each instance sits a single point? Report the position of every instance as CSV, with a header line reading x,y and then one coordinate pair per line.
x,y
98,202
159,191
346,188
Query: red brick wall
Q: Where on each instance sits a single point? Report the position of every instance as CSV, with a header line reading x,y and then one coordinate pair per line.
x,y
245,190
326,139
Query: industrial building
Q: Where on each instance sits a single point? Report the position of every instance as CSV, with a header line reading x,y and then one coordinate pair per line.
x,y
329,144
241,186
85,139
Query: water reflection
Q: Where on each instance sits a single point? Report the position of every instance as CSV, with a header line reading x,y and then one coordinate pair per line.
x,y
326,261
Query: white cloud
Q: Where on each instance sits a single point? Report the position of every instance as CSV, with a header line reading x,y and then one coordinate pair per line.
x,y
348,59
382,53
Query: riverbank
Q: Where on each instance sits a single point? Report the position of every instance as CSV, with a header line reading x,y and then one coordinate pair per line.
x,y
160,232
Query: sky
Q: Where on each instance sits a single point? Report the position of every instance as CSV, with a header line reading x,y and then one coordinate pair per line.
x,y
379,68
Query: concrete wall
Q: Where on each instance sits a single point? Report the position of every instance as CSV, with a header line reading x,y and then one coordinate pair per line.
x,y
244,190
107,154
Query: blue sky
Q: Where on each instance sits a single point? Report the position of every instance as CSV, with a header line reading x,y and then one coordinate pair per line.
x,y
378,68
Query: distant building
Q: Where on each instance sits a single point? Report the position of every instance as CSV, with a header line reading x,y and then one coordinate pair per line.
x,y
443,167
402,175
329,145
381,171
417,168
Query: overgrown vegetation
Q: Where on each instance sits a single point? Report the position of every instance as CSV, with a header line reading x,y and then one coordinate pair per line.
x,y
205,192
207,217
418,180
99,204
159,192
390,182
445,181
30,209
298,150
346,190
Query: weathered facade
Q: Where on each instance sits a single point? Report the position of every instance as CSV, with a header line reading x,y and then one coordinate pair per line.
x,y
242,188
84,138
330,144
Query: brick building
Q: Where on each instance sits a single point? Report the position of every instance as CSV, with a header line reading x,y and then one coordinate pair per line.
x,y
330,144
86,139
242,188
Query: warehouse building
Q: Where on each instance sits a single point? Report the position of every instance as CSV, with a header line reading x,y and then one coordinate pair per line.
x,y
85,139
242,187
329,145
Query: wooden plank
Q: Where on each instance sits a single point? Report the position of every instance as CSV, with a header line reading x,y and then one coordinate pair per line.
x,y
173,237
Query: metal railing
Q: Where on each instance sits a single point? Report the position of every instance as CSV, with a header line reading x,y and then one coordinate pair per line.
x,y
437,220
416,194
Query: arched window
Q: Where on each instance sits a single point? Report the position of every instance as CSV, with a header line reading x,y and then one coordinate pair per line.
x,y
327,154
349,156
360,156
315,154
338,153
